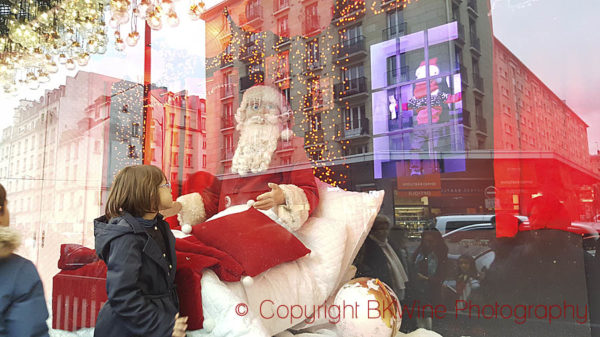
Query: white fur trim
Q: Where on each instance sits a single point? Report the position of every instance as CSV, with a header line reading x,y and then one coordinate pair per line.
x,y
187,229
247,281
192,209
294,212
9,241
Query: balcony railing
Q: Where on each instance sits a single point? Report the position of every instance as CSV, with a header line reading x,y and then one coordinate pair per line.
x,y
481,124
478,82
351,46
312,101
312,137
394,31
227,122
343,130
251,50
254,15
311,24
475,44
226,60
313,65
472,5
466,118
351,8
227,154
284,146
227,90
280,6
282,40
252,79
350,87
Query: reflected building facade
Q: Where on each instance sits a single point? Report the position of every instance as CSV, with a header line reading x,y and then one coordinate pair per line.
x,y
387,95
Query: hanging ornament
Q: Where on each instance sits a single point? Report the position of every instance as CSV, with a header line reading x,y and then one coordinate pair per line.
x,y
133,38
83,59
172,18
62,58
154,21
119,44
52,67
70,64
43,76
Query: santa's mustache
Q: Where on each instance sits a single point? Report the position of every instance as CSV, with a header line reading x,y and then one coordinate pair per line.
x,y
258,119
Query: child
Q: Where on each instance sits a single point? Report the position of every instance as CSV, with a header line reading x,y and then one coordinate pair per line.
x,y
139,250
467,279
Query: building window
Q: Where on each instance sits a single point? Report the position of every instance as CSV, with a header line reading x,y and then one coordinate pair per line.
x,y
280,4
172,118
316,155
132,153
203,161
312,51
152,154
353,73
175,159
228,142
189,141
478,108
355,117
203,124
283,67
472,29
351,36
174,177
285,96
287,160
188,160
315,122
282,27
203,142
135,129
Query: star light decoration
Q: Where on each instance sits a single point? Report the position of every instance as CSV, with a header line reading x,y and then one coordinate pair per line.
x,y
326,146
37,36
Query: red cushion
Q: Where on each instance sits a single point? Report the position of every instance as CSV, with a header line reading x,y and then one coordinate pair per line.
x,y
252,239
73,256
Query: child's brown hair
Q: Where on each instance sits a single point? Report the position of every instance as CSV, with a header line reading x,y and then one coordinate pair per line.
x,y
135,191
2,199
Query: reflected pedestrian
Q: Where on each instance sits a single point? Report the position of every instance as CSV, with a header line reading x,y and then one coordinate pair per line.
x,y
429,268
378,259
23,310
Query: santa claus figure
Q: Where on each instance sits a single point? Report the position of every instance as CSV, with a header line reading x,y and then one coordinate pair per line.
x,y
419,100
288,191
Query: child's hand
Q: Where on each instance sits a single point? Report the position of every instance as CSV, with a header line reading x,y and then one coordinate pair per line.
x,y
173,210
271,199
180,326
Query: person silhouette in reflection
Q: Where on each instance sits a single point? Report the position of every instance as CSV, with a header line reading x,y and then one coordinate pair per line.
x,y
378,259
428,272
541,267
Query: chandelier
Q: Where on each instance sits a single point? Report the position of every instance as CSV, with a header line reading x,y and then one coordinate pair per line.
x,y
39,36
154,12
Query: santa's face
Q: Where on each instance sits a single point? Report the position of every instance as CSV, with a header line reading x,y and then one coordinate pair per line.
x,y
259,132
260,111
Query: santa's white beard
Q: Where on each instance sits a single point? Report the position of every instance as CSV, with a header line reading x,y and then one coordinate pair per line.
x,y
258,141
